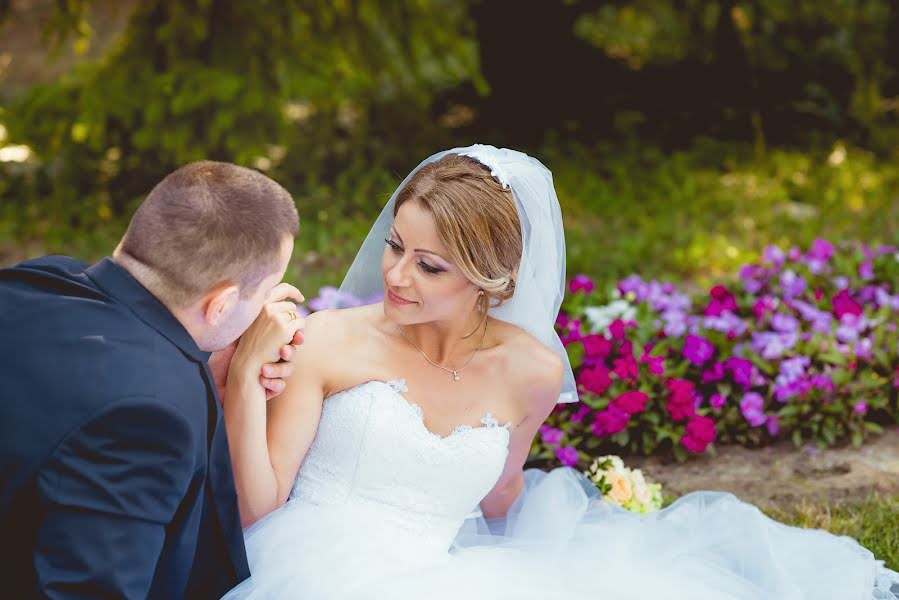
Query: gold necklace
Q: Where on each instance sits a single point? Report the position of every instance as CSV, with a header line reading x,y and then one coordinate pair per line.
x,y
455,372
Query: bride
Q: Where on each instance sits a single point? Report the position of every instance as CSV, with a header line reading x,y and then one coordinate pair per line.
x,y
392,464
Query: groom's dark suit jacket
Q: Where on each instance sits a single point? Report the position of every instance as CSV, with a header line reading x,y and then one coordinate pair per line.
x,y
115,478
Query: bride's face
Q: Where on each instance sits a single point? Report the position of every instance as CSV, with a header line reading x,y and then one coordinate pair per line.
x,y
421,284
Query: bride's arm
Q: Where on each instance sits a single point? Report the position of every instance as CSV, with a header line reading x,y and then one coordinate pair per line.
x,y
268,441
541,388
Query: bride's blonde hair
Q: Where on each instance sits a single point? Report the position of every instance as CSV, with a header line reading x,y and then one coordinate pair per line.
x,y
476,219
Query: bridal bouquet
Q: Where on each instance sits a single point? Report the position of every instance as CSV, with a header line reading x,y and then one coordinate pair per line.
x,y
623,486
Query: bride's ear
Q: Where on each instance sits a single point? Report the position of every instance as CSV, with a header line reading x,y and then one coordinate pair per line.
x,y
219,302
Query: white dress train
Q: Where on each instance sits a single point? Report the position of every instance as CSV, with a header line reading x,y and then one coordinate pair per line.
x,y
383,509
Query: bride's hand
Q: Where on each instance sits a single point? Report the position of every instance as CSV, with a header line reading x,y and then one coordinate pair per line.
x,y
271,337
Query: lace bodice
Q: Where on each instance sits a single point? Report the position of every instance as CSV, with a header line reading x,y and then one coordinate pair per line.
x,y
373,450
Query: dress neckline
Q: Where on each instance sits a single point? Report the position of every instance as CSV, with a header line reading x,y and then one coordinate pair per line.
x,y
398,386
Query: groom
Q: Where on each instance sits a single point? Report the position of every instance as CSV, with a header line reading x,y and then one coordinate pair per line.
x,y
115,478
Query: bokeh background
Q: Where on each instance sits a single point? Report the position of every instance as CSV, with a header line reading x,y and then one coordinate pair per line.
x,y
684,135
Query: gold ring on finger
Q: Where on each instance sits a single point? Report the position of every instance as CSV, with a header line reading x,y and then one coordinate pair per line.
x,y
292,315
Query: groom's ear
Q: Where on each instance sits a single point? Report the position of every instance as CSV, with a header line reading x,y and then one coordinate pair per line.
x,y
219,302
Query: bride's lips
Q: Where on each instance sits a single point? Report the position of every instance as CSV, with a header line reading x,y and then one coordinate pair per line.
x,y
398,300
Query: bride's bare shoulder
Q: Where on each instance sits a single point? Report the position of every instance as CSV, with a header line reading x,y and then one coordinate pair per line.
x,y
328,329
537,368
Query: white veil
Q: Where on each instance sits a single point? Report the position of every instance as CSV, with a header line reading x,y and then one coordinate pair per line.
x,y
540,284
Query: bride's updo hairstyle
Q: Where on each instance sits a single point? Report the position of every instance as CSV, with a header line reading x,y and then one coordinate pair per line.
x,y
476,219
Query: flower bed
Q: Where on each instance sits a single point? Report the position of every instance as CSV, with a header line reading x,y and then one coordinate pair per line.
x,y
802,345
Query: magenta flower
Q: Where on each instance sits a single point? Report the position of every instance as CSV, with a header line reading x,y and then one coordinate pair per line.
x,y
610,421
773,425
821,250
550,435
567,455
626,368
631,402
861,407
580,283
741,370
617,329
656,364
843,304
596,346
681,403
717,401
698,350
721,301
579,414
595,379
713,373
698,434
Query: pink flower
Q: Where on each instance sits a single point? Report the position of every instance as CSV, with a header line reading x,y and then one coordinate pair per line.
x,y
861,407
550,435
631,402
567,456
596,346
626,368
581,283
698,434
656,363
681,402
617,329
595,379
722,300
609,421
843,304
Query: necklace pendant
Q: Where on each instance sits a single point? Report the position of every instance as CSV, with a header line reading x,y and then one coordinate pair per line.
x,y
455,375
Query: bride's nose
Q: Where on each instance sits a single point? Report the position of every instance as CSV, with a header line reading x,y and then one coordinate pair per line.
x,y
398,275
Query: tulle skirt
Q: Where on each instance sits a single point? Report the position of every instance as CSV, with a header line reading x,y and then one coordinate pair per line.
x,y
560,541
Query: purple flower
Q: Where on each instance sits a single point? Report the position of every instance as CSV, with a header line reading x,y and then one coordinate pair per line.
x,y
793,285
550,435
751,276
675,323
863,349
567,456
866,270
822,382
751,407
741,370
884,298
784,323
698,350
841,282
581,283
774,255
851,327
330,298
714,373
727,322
579,414
771,345
861,407
821,250
717,401
773,425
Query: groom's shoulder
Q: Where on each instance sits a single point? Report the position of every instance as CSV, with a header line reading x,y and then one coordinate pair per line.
x,y
46,270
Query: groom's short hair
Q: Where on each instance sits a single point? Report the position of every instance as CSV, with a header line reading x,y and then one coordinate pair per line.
x,y
206,224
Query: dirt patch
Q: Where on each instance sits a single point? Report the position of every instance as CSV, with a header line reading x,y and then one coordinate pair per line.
x,y
781,475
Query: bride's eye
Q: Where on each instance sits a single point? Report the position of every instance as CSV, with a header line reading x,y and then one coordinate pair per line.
x,y
428,268
397,249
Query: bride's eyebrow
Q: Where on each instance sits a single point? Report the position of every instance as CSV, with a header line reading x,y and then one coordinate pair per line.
x,y
400,238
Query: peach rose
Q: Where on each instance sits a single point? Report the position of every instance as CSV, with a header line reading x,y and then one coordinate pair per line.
x,y
621,488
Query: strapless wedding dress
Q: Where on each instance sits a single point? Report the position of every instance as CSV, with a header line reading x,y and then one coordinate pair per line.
x,y
382,508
